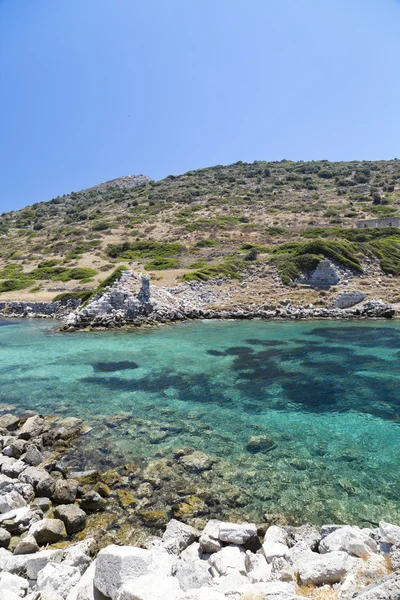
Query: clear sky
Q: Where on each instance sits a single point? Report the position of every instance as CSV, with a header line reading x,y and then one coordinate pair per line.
x,y
94,89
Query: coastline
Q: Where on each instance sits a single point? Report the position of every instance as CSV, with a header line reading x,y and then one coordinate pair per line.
x,y
57,535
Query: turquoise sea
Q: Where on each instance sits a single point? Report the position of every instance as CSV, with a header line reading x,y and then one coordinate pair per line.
x,y
325,394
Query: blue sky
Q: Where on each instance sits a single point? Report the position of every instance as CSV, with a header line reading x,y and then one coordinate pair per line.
x,y
96,89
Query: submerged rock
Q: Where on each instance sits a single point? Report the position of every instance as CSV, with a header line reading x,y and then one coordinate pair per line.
x,y
260,443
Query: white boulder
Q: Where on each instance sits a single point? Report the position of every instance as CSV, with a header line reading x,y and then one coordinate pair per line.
x,y
117,564
273,550
150,587
349,539
389,533
58,578
179,536
13,583
227,560
234,533
209,541
324,568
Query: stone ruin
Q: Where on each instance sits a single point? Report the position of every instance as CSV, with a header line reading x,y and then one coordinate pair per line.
x,y
324,275
384,222
347,299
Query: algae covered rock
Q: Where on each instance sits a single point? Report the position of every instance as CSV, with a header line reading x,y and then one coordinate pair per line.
x,y
260,443
72,516
196,461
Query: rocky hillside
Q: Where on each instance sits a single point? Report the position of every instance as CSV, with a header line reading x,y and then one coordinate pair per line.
x,y
260,225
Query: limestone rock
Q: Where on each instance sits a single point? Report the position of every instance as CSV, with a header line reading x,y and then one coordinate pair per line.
x,y
9,422
257,568
11,501
72,516
234,533
41,481
352,540
387,588
209,541
179,536
13,583
196,461
260,443
192,569
5,537
227,560
26,545
28,565
32,428
92,501
58,578
117,564
150,587
276,534
48,531
389,533
324,568
33,456
65,491
273,550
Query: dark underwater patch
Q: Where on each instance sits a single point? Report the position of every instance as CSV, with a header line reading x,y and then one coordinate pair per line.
x,y
267,343
8,323
108,367
375,337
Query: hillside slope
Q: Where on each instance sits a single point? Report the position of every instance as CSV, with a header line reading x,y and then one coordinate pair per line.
x,y
270,221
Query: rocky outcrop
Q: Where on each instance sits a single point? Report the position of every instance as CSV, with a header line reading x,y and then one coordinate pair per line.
x,y
134,301
40,310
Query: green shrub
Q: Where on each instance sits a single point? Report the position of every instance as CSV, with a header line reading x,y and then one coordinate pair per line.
x,y
145,249
11,285
100,226
159,264
206,243
228,268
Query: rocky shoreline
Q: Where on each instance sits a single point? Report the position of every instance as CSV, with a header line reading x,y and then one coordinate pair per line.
x,y
56,542
37,310
133,301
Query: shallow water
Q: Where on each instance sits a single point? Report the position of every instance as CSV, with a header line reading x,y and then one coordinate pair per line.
x,y
327,394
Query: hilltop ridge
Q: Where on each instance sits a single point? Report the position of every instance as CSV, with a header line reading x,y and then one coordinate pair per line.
x,y
276,220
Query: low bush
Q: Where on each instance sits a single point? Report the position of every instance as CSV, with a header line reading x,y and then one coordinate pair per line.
x,y
159,264
143,249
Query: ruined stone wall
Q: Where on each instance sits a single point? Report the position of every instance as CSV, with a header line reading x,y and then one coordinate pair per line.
x,y
385,222
37,309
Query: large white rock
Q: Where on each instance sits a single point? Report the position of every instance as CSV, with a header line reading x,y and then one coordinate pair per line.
x,y
28,565
389,533
231,585
58,578
324,568
227,560
150,587
258,570
349,539
209,541
179,536
276,534
274,550
193,570
117,564
8,595
13,583
11,501
234,533
78,555
84,589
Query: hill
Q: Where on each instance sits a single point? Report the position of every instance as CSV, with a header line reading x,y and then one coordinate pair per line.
x,y
271,222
